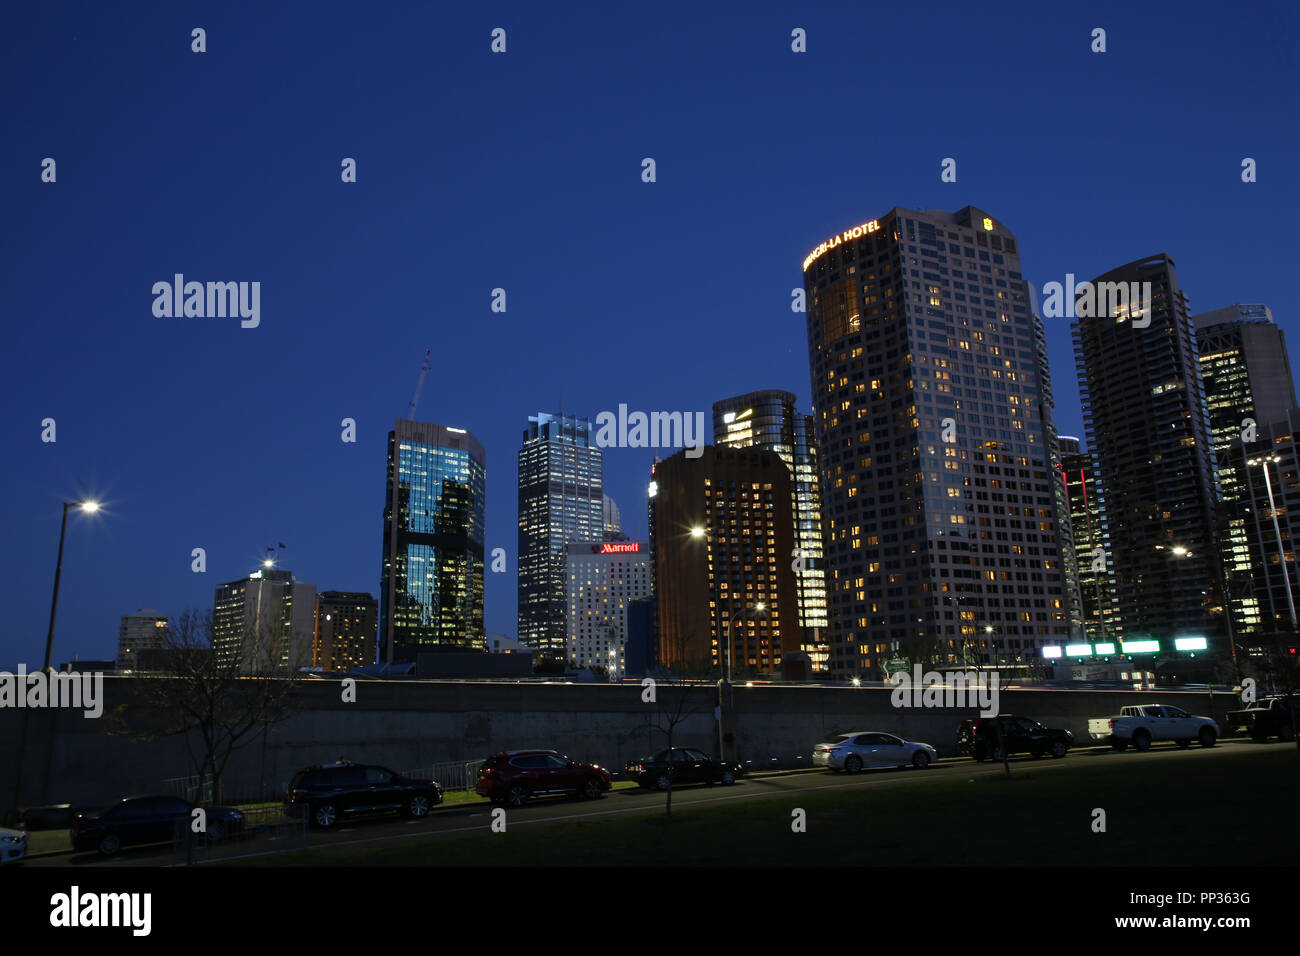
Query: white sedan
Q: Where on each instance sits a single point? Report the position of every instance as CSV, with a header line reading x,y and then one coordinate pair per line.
x,y
852,752
13,845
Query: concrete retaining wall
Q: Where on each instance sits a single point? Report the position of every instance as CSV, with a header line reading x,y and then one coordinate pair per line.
x,y
406,725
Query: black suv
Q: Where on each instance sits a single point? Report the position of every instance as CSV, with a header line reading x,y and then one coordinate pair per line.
x,y
978,737
337,790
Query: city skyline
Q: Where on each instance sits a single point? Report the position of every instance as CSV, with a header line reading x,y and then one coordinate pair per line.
x,y
192,430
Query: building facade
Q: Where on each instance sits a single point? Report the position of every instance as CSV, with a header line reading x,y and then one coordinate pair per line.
x,y
1096,597
263,622
431,590
1248,385
769,419
141,637
724,531
1149,432
561,499
930,393
347,624
603,578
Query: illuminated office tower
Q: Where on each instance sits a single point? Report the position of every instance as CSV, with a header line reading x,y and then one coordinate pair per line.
x,y
1099,616
561,499
1248,387
724,530
431,593
264,621
769,419
930,398
1149,435
603,578
346,625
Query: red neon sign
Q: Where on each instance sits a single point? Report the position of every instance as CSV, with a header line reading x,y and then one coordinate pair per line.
x,y
610,548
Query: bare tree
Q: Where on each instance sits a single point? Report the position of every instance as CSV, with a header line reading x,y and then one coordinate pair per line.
x,y
680,693
219,698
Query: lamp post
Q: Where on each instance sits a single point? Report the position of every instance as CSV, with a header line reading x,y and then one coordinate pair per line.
x,y
90,507
725,680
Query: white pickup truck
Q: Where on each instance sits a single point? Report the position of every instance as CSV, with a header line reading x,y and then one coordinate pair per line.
x,y
1142,724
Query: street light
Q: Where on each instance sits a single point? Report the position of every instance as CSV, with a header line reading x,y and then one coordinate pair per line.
x,y
89,507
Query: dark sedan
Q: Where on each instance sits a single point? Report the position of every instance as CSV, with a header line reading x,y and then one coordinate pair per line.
x,y
683,765
984,737
147,819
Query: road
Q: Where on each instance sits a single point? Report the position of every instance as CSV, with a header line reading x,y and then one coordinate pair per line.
x,y
459,819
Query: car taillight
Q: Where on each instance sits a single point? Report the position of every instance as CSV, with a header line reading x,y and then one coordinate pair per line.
x,y
1110,725
298,794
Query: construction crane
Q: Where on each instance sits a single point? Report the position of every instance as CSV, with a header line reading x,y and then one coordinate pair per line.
x,y
415,399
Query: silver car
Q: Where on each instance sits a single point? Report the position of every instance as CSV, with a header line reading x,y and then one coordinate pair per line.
x,y
852,752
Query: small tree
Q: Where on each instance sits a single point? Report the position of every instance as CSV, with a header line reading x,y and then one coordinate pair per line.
x,y
221,697
680,693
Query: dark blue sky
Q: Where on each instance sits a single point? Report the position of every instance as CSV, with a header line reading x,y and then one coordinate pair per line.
x,y
522,171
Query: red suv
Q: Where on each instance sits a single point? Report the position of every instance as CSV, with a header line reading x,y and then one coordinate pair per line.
x,y
513,776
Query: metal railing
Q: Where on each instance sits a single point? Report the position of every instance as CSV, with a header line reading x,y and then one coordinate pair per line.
x,y
265,829
452,775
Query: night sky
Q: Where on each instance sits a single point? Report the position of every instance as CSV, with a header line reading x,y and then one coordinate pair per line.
x,y
523,171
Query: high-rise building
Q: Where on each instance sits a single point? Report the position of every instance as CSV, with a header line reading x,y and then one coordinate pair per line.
x,y
1265,576
346,626
1099,618
265,621
1248,386
561,499
930,391
140,638
1149,434
769,419
431,592
603,578
611,518
724,531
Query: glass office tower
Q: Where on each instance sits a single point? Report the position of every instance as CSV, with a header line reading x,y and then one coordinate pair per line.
x,y
431,595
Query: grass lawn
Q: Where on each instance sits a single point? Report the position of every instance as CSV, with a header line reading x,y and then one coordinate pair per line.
x,y
1222,809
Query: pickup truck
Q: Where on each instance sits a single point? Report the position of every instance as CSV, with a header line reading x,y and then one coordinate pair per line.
x,y
1142,724
1267,717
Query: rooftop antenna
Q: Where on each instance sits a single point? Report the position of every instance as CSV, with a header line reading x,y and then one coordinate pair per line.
x,y
419,384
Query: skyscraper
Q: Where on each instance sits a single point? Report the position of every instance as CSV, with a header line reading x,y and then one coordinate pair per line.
x,y
769,419
603,579
930,394
1149,433
561,499
1099,618
431,593
724,530
140,639
346,625
1248,387
264,621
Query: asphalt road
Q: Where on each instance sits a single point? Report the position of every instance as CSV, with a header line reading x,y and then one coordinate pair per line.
x,y
476,816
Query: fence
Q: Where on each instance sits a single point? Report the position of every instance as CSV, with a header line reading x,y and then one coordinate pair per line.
x,y
455,775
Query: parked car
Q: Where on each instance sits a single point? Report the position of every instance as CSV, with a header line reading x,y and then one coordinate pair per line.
x,y
1141,724
513,777
1267,717
58,816
851,752
13,845
682,765
147,819
978,737
330,792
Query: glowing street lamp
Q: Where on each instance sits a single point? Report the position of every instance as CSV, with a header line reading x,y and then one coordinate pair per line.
x,y
90,507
